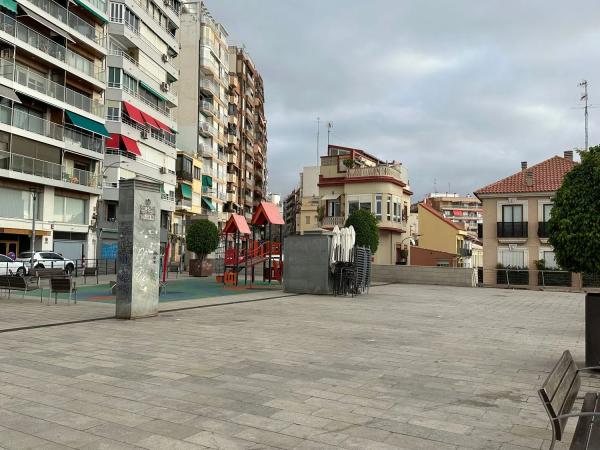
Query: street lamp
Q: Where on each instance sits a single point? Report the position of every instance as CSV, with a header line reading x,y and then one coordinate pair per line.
x,y
35,190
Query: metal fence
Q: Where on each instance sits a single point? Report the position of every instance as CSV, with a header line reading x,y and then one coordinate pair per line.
x,y
541,278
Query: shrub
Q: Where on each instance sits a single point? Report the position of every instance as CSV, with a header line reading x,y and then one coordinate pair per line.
x,y
202,238
365,227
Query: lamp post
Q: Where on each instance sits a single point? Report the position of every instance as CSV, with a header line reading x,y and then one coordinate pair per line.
x,y
35,190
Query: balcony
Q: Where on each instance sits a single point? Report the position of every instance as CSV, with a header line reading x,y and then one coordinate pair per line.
x,y
137,96
333,221
73,21
46,169
209,86
25,77
543,230
511,229
465,252
207,190
207,108
184,175
209,64
31,123
50,48
183,204
78,139
376,171
206,129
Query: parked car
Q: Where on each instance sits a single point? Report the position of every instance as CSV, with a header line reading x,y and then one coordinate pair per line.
x,y
46,260
7,265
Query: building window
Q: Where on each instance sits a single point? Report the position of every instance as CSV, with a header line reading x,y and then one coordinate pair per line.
x,y
365,202
69,210
307,220
389,208
353,204
114,77
111,212
116,12
378,198
443,264
113,110
512,213
512,258
550,260
130,84
333,208
18,204
547,208
197,174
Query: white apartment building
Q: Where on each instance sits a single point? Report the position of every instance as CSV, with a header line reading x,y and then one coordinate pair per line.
x,y
203,110
141,100
52,86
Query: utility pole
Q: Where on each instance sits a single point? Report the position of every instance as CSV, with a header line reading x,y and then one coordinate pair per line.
x,y
318,131
34,197
329,127
584,98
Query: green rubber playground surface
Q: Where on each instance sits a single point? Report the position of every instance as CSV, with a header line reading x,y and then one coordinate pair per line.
x,y
177,290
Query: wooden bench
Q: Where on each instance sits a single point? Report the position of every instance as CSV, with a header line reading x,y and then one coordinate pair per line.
x,y
558,394
23,284
90,272
49,272
62,286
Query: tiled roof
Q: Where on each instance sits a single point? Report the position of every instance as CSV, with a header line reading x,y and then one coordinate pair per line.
x,y
547,177
439,215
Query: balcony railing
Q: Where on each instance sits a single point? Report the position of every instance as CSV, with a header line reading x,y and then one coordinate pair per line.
x,y
79,139
161,136
32,80
61,14
543,229
511,229
29,122
208,190
209,85
207,107
49,47
46,169
377,171
136,94
465,252
333,221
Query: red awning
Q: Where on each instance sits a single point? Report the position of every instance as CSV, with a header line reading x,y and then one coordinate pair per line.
x,y
133,113
150,120
131,146
114,141
267,213
236,223
163,126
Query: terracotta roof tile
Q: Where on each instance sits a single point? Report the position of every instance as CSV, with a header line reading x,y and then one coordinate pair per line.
x,y
547,177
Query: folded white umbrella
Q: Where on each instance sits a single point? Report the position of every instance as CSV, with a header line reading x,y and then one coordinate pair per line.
x,y
335,244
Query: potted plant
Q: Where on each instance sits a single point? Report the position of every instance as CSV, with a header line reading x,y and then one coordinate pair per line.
x,y
349,163
202,238
574,232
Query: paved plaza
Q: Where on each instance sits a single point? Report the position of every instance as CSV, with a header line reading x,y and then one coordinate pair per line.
x,y
404,367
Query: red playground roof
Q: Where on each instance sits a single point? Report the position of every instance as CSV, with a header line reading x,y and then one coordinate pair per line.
x,y
236,223
267,213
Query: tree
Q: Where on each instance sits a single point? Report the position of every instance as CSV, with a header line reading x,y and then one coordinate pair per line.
x,y
202,238
574,225
365,227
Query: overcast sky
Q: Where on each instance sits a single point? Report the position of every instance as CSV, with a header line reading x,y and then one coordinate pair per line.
x,y
458,91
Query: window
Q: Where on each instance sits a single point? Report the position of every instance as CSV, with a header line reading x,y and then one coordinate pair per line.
x,y
18,204
111,212
443,264
512,258
132,20
550,260
389,208
333,208
197,174
130,84
378,206
113,110
114,77
116,12
547,208
365,202
307,220
353,203
69,210
512,213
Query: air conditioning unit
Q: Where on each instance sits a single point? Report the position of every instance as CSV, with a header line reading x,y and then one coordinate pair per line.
x,y
165,57
144,134
163,170
164,87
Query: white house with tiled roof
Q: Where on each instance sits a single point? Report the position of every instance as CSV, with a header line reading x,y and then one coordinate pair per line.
x,y
515,212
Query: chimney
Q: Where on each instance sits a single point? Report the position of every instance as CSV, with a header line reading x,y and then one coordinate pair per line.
x,y
523,165
568,155
529,178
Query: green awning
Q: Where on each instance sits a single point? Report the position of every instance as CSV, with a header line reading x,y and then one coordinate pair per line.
x,y
11,5
148,88
186,191
94,11
206,181
209,204
88,124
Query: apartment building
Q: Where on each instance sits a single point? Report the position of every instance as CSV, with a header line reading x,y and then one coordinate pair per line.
x,y
463,210
441,242
52,87
351,179
141,103
203,112
246,136
516,210
291,208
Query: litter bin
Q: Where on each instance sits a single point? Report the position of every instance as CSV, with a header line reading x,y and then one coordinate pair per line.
x,y
592,329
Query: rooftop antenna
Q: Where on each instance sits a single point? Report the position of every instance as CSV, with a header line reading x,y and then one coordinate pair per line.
x,y
584,98
329,127
318,131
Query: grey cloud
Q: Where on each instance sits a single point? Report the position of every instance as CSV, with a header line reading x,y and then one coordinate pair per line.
x,y
458,91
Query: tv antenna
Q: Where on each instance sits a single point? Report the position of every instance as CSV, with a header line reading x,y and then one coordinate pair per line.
x,y
584,98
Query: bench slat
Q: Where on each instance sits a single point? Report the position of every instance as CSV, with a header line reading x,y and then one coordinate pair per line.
x,y
566,393
587,433
556,375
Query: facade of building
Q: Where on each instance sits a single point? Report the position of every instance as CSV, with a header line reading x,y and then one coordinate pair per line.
x,y
291,210
351,179
462,210
52,89
247,136
441,242
515,212
141,102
